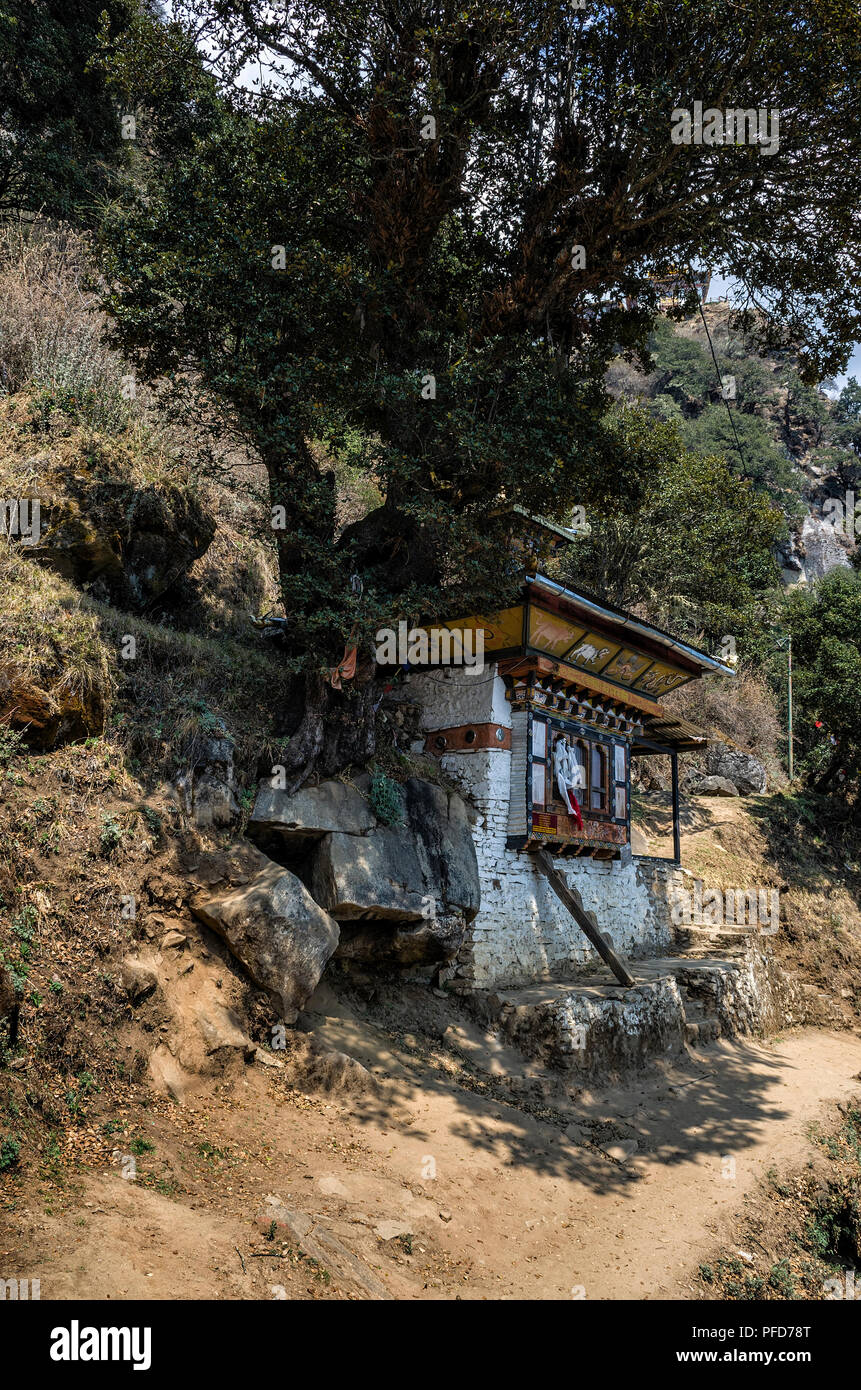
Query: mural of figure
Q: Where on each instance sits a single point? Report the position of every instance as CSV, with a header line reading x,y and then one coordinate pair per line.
x,y
568,773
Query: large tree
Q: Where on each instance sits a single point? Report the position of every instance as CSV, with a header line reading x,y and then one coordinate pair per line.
x,y
694,548
61,137
471,199
825,623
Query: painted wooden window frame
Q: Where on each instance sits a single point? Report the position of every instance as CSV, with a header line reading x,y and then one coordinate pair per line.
x,y
609,748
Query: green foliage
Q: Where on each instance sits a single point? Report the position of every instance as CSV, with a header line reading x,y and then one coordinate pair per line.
x,y
10,1153
685,386
61,139
824,620
694,546
384,799
153,820
11,744
110,836
323,318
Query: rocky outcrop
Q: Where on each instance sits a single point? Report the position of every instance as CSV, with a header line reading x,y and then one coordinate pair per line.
x,y
716,786
376,875
51,712
822,548
746,772
314,1239
728,772
313,811
426,866
126,544
208,789
413,885
139,980
274,927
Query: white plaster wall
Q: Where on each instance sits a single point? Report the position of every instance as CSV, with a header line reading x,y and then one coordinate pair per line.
x,y
451,696
522,933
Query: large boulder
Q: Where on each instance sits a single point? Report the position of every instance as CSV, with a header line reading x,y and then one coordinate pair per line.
x,y
418,878
716,786
746,772
422,867
275,928
376,875
314,811
439,822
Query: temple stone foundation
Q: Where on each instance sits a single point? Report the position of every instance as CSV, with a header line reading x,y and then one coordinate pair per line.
x,y
595,1030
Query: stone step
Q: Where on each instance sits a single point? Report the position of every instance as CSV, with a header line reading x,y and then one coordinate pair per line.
x,y
701,1030
701,1025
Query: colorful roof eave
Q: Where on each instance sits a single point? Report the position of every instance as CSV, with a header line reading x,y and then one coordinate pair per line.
x,y
631,624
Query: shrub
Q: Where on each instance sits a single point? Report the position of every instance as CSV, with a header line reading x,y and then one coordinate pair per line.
x,y
384,799
10,1153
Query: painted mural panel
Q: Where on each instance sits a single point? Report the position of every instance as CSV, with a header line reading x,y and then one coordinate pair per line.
x,y
660,678
501,630
551,633
593,652
627,666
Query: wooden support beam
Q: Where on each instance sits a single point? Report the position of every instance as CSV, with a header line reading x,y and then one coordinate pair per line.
x,y
677,835
570,899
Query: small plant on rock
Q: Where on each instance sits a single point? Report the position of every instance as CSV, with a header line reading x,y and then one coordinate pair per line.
x,y
384,799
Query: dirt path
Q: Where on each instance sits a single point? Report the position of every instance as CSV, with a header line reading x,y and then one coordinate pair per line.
x,y
515,1209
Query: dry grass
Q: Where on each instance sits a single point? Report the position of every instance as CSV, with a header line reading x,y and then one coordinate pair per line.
x,y
52,331
740,712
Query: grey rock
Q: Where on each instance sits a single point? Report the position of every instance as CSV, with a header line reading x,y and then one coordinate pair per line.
x,y
439,821
138,980
213,786
745,771
821,548
279,933
716,786
332,806
579,1134
221,1028
320,1245
621,1152
376,875
418,871
390,1230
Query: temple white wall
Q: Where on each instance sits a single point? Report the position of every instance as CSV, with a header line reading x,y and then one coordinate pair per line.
x,y
522,933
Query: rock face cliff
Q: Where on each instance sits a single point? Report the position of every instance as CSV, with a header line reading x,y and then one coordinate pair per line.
x,y
801,444
397,894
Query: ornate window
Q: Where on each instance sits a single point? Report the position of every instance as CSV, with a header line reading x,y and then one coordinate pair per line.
x,y
598,778
599,769
620,790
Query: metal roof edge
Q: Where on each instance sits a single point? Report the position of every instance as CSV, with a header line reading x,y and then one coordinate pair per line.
x,y
655,634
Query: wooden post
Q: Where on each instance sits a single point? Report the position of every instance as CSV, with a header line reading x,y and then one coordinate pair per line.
x,y
677,836
570,898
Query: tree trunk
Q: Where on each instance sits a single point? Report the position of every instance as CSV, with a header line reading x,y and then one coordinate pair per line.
x,y
337,728
823,783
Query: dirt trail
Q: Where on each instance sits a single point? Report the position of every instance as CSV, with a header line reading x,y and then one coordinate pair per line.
x,y
515,1209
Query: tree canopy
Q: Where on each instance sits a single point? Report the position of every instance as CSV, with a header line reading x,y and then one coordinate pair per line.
x,y
694,549
825,624
60,133
435,225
